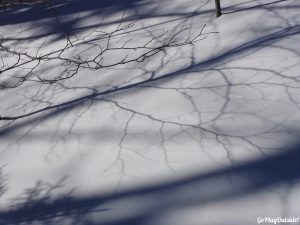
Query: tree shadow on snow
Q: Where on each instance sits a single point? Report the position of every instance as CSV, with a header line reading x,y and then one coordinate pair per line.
x,y
239,7
198,190
150,202
73,16
212,63
62,17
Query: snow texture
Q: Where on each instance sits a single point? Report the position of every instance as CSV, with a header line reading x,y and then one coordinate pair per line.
x,y
149,112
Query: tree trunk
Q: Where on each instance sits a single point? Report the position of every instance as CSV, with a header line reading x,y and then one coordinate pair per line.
x,y
218,8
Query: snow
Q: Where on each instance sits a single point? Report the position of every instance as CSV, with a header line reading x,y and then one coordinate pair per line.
x,y
195,134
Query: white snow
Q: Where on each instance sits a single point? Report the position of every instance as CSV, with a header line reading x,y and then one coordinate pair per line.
x,y
169,148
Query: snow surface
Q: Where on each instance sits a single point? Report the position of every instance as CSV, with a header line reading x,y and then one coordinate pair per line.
x,y
196,134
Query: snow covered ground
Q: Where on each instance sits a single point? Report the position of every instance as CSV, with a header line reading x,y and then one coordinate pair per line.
x,y
201,130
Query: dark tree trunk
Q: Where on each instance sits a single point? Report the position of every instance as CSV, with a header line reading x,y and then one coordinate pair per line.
x,y
218,8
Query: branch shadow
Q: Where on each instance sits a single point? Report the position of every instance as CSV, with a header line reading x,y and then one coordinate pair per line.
x,y
30,13
200,189
236,8
72,15
210,63
3,181
49,18
197,190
